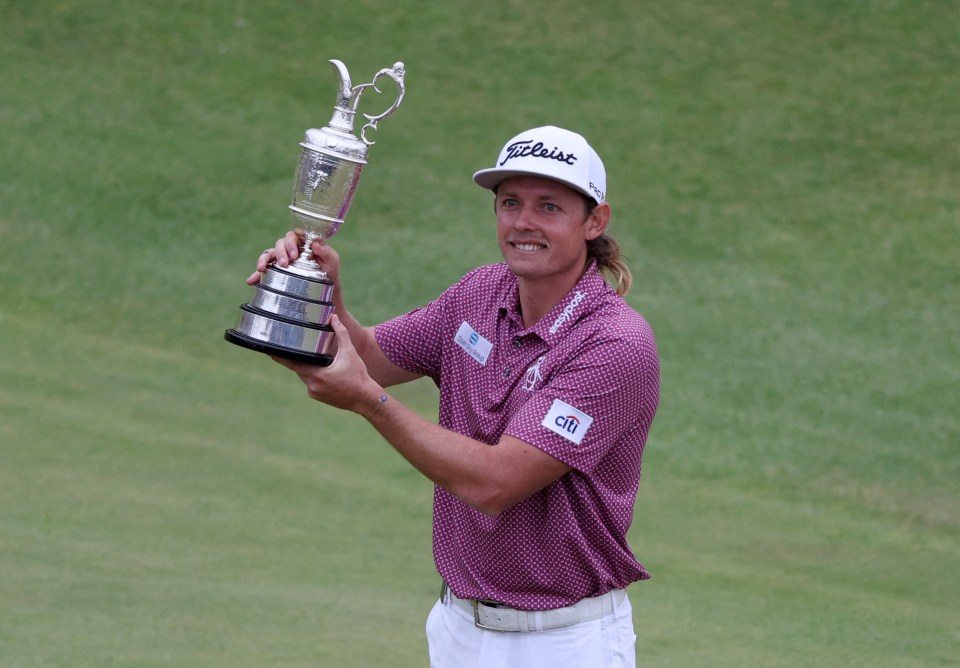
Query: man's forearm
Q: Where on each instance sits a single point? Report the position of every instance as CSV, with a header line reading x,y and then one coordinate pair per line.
x,y
462,466
489,478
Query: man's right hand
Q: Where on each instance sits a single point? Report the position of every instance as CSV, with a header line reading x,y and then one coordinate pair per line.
x,y
285,251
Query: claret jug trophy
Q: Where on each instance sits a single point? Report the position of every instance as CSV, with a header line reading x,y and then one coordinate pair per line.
x,y
290,312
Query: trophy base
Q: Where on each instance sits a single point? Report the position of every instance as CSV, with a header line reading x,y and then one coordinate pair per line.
x,y
282,336
244,341
288,317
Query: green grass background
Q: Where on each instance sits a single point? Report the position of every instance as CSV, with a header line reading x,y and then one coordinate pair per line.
x,y
784,176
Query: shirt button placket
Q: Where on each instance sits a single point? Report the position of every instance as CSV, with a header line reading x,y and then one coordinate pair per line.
x,y
517,343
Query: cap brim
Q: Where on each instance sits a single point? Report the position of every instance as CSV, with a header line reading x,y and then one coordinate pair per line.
x,y
491,178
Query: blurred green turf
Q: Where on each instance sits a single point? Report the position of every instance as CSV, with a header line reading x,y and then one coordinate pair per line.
x,y
784,178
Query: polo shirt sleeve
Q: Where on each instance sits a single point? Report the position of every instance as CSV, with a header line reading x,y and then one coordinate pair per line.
x,y
413,341
416,340
605,394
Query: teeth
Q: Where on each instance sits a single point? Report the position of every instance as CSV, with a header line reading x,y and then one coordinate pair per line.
x,y
528,247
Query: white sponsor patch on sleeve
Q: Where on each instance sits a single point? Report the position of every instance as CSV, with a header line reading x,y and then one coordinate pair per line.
x,y
564,419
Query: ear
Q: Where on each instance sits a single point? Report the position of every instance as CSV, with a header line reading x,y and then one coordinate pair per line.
x,y
597,220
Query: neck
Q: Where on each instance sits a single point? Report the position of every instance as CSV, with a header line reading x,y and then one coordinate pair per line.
x,y
538,297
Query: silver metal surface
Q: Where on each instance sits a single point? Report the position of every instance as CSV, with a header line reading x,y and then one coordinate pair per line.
x,y
316,313
284,281
331,161
322,226
283,334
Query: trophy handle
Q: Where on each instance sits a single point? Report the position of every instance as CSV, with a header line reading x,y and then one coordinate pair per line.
x,y
396,73
348,97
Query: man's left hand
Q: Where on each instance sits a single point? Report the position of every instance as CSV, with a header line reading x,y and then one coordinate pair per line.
x,y
345,383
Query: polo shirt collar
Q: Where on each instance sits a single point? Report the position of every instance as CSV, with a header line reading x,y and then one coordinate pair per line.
x,y
583,299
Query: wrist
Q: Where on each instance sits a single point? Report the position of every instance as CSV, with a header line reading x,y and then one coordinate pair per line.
x,y
380,402
373,404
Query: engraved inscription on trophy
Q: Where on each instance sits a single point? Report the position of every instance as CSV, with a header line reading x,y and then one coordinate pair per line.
x,y
290,313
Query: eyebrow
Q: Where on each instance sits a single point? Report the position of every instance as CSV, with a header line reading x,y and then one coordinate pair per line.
x,y
510,193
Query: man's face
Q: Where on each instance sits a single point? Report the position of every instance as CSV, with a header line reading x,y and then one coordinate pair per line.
x,y
543,227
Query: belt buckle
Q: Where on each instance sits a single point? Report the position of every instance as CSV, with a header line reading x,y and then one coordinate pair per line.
x,y
475,603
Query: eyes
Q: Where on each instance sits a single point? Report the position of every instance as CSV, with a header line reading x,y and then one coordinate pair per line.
x,y
546,206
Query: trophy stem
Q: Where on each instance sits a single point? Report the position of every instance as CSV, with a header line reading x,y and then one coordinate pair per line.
x,y
306,264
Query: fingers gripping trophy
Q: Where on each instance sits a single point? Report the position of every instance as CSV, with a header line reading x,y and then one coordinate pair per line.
x,y
290,312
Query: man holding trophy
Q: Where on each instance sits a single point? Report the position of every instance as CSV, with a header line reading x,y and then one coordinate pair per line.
x,y
549,383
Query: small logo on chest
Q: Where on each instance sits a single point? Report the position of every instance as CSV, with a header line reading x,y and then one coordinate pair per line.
x,y
533,376
475,345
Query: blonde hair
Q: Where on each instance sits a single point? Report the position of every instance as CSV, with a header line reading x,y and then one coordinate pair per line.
x,y
606,251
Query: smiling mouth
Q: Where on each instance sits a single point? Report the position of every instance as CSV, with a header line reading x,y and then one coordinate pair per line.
x,y
528,247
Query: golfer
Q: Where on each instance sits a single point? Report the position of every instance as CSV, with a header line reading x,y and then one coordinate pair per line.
x,y
549,382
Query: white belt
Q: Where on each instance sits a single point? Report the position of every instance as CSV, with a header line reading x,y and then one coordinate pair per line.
x,y
493,616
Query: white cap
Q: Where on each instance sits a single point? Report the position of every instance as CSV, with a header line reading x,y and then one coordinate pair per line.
x,y
553,153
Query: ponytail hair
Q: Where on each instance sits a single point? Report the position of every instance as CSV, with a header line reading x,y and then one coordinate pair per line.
x,y
606,251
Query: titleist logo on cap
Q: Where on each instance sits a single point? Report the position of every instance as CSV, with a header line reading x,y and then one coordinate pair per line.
x,y
523,149
552,153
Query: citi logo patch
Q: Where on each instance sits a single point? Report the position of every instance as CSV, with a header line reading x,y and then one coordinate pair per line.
x,y
567,421
470,340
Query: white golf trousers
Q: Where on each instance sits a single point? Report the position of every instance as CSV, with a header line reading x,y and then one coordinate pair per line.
x,y
455,642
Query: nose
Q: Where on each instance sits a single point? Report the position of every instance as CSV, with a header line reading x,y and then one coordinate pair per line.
x,y
525,219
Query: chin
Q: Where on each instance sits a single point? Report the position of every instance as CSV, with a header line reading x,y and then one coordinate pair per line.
x,y
525,269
